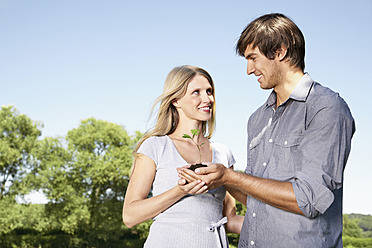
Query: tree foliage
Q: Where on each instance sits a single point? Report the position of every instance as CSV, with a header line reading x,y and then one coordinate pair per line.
x,y
351,227
18,135
83,175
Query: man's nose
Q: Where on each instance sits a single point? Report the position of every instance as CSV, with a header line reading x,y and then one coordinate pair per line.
x,y
250,68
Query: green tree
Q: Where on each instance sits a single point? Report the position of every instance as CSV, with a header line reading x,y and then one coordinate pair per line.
x,y
54,175
351,228
85,176
18,135
10,217
102,155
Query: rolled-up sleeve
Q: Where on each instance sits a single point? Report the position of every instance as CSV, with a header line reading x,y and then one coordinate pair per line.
x,y
325,147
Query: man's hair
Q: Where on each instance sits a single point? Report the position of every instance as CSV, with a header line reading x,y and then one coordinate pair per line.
x,y
268,33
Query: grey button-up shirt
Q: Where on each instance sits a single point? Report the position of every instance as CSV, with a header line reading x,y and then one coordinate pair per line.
x,y
305,141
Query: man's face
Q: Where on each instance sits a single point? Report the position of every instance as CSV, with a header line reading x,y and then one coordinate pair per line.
x,y
267,70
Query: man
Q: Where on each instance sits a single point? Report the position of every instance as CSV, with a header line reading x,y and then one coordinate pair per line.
x,y
298,144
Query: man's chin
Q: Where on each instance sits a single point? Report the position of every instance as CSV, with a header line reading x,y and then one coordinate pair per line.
x,y
264,87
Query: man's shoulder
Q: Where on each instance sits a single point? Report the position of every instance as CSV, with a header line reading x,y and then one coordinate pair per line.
x,y
322,96
319,90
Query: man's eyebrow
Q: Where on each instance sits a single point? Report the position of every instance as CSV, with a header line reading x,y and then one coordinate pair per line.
x,y
250,55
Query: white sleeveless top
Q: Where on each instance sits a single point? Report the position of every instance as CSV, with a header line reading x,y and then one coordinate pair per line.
x,y
195,220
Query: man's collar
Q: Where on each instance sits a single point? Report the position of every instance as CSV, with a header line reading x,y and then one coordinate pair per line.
x,y
302,89
300,92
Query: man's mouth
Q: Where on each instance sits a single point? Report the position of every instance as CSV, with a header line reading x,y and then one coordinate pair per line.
x,y
259,78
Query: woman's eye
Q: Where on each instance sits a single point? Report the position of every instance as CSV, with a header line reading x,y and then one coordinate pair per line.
x,y
209,91
196,92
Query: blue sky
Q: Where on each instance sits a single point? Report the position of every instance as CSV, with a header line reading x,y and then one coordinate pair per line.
x,y
65,61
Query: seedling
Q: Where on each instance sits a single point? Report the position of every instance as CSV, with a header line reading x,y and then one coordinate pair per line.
x,y
195,132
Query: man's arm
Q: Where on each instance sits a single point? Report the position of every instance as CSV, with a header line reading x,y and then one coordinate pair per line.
x,y
275,193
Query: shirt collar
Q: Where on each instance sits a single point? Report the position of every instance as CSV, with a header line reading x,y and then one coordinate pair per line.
x,y
300,92
302,89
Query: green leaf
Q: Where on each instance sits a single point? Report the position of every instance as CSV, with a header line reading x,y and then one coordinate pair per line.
x,y
186,136
195,132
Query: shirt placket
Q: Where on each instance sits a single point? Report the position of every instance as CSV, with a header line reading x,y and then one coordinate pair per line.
x,y
263,165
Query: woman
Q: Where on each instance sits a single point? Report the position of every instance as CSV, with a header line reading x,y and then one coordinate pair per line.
x,y
185,214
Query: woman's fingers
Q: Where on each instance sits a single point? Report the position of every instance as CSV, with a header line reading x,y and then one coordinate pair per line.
x,y
195,187
187,174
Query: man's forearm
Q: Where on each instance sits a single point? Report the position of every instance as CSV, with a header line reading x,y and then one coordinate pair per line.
x,y
275,193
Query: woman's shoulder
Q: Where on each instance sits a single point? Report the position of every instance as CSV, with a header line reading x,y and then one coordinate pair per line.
x,y
153,147
220,146
222,154
155,140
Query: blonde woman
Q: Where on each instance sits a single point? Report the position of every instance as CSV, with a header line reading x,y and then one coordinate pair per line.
x,y
184,214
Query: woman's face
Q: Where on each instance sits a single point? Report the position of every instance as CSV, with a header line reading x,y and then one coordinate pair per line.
x,y
198,101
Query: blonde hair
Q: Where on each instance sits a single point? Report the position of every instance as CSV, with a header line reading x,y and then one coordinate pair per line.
x,y
174,88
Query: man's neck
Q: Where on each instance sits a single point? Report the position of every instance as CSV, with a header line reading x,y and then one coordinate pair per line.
x,y
285,89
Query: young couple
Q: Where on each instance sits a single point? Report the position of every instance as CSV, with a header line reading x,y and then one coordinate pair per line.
x,y
298,144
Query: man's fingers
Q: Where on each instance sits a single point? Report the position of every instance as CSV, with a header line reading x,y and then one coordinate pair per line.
x,y
211,168
202,170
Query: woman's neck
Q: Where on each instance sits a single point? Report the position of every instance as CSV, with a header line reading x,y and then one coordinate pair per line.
x,y
185,128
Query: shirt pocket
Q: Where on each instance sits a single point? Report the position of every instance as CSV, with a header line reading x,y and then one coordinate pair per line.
x,y
287,152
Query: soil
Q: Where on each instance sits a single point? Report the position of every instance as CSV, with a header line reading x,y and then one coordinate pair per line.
x,y
195,166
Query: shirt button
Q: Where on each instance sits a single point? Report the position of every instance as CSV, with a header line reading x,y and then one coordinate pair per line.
x,y
285,142
250,145
252,242
254,214
270,140
264,164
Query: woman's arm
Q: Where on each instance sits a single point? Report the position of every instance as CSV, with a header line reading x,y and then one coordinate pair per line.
x,y
237,194
137,207
235,222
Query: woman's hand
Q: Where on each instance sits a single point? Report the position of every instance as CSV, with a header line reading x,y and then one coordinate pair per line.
x,y
193,188
213,175
188,175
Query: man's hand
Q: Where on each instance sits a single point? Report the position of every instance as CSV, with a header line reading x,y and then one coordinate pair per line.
x,y
214,175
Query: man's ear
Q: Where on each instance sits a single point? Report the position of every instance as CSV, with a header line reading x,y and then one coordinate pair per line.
x,y
281,52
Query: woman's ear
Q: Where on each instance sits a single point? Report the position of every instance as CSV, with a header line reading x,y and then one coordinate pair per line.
x,y
175,103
